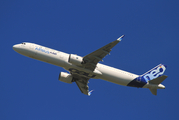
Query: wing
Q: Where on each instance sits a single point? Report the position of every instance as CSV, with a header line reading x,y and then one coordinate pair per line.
x,y
90,60
83,86
82,83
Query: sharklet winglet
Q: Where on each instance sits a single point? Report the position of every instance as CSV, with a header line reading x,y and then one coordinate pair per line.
x,y
89,93
120,38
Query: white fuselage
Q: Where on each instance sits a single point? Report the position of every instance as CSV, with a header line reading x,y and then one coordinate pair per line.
x,y
60,59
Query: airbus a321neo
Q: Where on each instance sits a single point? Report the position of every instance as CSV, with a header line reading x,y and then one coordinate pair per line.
x,y
83,68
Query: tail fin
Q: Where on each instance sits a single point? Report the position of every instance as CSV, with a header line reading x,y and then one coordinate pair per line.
x,y
154,77
155,72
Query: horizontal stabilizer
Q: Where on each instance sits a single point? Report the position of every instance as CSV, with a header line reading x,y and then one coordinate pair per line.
x,y
158,80
153,91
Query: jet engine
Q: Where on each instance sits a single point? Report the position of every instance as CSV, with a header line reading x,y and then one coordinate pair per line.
x,y
75,59
65,77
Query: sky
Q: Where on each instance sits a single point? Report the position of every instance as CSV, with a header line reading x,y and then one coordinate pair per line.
x,y
30,90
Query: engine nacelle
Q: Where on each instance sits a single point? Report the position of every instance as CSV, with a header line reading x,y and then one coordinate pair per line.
x,y
75,59
65,77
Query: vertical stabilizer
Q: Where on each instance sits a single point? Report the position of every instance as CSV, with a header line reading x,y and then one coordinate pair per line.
x,y
154,73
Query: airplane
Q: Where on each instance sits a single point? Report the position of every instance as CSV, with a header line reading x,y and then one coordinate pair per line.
x,y
81,69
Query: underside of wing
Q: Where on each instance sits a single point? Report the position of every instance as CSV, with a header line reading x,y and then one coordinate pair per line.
x,y
82,83
83,86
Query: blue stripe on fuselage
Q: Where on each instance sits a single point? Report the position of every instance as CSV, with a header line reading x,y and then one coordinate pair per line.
x,y
137,82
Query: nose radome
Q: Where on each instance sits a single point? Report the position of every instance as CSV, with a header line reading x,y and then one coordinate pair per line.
x,y
15,47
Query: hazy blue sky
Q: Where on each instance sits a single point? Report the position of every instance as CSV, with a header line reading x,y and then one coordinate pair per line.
x,y
30,90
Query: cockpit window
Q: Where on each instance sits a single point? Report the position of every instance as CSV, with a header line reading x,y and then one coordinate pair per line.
x,y
23,43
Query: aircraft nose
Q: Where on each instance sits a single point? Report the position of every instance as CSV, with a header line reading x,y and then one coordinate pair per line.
x,y
15,47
